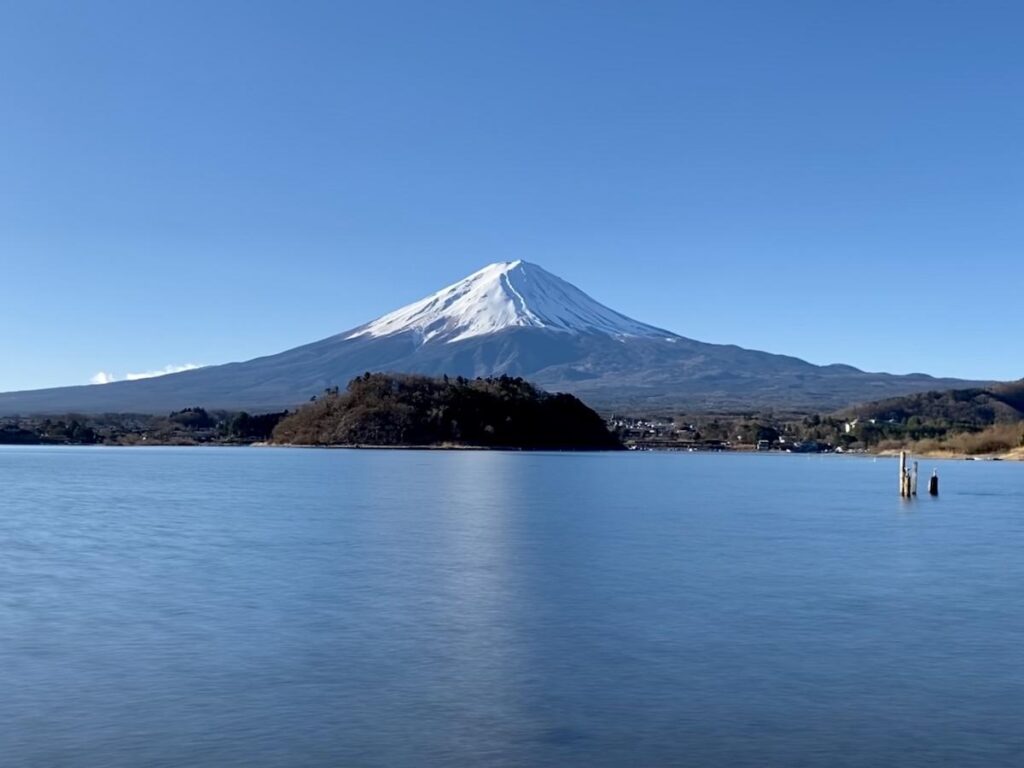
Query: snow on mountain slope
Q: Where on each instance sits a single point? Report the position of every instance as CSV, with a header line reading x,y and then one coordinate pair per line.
x,y
512,294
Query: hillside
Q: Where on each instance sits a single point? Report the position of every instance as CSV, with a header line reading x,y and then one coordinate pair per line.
x,y
405,410
960,422
957,409
1010,393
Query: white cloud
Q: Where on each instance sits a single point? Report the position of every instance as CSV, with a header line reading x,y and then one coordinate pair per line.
x,y
105,378
162,372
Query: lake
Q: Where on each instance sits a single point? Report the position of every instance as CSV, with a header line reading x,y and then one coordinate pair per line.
x,y
286,607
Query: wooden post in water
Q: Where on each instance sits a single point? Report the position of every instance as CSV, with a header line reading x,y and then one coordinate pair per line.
x,y
913,481
933,483
903,473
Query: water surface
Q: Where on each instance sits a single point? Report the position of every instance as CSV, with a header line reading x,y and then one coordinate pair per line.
x,y
265,607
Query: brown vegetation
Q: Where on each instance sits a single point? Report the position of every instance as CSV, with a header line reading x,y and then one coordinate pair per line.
x,y
996,439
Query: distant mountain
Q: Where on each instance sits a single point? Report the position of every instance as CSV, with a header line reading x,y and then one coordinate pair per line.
x,y
509,318
503,297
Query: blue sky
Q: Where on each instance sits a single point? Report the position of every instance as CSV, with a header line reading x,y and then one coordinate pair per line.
x,y
200,182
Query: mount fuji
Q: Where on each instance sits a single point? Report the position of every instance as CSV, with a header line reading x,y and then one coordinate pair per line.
x,y
510,318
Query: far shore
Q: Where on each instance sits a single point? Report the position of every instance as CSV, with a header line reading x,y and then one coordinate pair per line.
x,y
1015,455
439,447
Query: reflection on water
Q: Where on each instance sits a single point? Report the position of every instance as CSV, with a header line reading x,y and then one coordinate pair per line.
x,y
323,608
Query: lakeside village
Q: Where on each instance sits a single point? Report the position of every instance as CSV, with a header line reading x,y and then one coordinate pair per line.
x,y
729,432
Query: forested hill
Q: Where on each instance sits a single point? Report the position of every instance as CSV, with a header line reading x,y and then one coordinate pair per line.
x,y
958,408
406,410
1011,394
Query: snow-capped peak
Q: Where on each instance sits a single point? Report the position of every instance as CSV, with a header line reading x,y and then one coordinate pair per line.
x,y
511,294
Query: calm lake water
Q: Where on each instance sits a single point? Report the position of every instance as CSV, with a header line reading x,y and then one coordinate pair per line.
x,y
263,607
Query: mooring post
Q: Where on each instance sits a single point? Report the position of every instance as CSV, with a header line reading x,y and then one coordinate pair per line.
x,y
913,481
903,473
933,483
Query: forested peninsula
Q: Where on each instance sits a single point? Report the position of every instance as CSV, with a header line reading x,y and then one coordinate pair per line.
x,y
398,410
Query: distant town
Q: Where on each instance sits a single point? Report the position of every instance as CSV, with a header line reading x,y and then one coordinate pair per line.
x,y
722,433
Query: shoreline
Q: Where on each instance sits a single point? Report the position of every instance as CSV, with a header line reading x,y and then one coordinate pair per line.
x,y
442,447
349,447
1016,454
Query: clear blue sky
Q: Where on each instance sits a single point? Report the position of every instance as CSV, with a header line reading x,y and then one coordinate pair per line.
x,y
211,181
